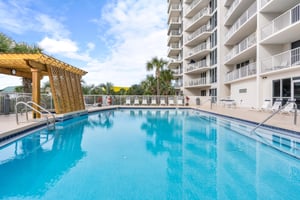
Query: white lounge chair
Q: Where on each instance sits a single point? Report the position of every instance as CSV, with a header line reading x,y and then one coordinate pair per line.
x,y
277,104
136,101
266,106
289,107
153,101
127,102
171,101
180,101
144,101
162,101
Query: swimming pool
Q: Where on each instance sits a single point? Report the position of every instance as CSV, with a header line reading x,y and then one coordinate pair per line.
x,y
151,154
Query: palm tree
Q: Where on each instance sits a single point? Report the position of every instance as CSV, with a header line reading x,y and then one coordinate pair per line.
x,y
158,65
166,77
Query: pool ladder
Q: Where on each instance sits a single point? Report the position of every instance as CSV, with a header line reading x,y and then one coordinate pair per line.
x,y
28,104
274,113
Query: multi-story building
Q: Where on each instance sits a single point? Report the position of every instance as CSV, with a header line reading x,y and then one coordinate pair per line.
x,y
245,50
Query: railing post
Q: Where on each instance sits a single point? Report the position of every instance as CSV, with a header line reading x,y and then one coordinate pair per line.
x,y
295,114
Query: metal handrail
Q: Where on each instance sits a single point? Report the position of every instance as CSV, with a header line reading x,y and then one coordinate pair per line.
x,y
274,113
36,110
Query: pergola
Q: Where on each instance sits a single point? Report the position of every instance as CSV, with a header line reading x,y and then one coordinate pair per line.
x,y
64,78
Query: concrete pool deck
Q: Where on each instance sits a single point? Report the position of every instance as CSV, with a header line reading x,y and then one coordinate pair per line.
x,y
8,125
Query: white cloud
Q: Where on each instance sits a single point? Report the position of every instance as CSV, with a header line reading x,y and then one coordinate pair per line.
x,y
136,33
56,46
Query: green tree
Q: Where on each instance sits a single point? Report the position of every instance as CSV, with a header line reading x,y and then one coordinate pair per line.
x,y
166,82
149,85
157,65
107,88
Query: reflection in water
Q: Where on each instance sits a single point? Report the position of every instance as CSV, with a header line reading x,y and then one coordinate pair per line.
x,y
39,160
172,154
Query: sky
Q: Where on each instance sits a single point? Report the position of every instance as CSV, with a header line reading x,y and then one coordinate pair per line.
x,y
110,39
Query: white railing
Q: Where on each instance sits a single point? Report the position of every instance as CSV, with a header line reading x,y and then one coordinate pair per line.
x,y
175,7
196,65
175,33
241,21
177,72
242,46
196,82
286,19
192,5
263,3
198,32
234,4
198,48
175,45
204,11
281,61
242,72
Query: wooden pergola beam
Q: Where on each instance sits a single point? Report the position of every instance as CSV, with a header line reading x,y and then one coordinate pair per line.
x,y
18,73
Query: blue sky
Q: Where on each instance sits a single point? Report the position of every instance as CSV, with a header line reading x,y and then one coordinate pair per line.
x,y
111,39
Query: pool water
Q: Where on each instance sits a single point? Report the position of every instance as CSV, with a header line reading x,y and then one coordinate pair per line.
x,y
150,154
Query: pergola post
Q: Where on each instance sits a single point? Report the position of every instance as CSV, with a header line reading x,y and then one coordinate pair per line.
x,y
36,93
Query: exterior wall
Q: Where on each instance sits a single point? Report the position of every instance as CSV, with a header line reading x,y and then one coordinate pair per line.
x,y
248,98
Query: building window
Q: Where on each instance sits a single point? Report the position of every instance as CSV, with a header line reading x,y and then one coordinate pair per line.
x,y
213,5
213,21
213,75
213,94
203,93
213,57
213,39
282,89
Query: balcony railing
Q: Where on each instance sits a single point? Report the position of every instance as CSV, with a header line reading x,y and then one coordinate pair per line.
x,y
175,33
175,7
231,9
198,32
242,46
286,19
192,5
196,82
242,72
242,20
281,61
177,72
204,11
196,65
198,48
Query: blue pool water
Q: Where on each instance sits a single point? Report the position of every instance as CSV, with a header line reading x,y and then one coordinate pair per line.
x,y
151,154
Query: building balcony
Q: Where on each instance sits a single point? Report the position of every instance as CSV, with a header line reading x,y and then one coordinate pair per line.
x,y
227,3
175,23
174,62
199,19
280,29
174,10
174,49
174,36
199,82
198,36
195,7
177,85
243,26
241,73
197,67
244,50
177,72
283,61
198,52
276,6
236,9
188,1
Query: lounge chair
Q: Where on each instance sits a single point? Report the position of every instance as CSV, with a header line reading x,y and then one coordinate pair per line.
x,y
180,101
266,106
162,101
289,107
171,101
153,101
128,102
144,101
136,101
277,104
